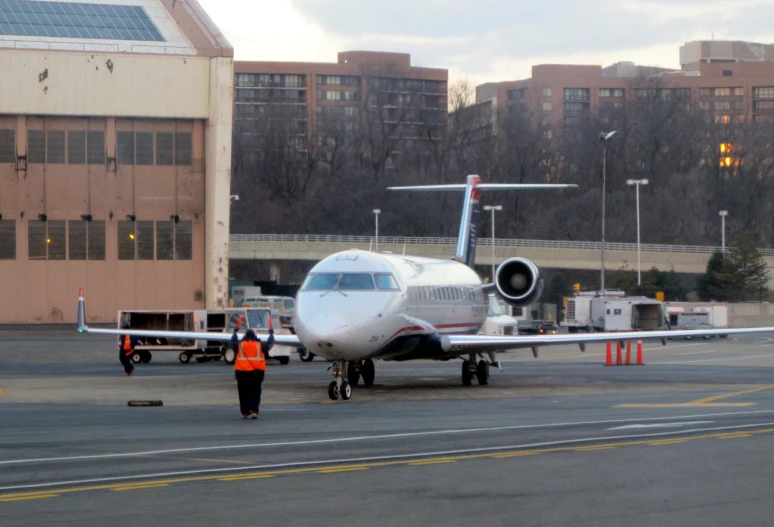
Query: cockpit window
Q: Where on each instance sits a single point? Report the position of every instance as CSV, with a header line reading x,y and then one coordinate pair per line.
x,y
386,281
350,281
257,318
495,309
321,282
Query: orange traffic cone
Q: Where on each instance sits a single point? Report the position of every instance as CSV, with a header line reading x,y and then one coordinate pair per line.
x,y
618,361
609,358
639,353
628,352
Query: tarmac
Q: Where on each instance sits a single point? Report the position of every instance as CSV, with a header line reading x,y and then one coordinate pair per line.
x,y
558,440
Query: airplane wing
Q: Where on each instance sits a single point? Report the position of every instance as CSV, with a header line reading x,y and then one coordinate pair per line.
x,y
280,340
483,343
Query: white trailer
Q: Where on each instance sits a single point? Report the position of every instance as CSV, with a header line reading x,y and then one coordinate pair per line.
x,y
627,314
697,315
577,315
498,322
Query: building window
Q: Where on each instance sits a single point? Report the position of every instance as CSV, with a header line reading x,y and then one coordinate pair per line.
x,y
611,92
184,240
517,93
55,147
76,148
682,94
144,231
95,147
739,92
706,92
722,105
77,240
36,146
96,239
547,106
7,146
294,81
722,92
728,73
546,92
704,105
577,94
763,92
125,148
46,239
144,148
126,240
183,152
164,149
165,240
7,239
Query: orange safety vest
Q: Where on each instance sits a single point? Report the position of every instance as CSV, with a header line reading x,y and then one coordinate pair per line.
x,y
250,357
128,345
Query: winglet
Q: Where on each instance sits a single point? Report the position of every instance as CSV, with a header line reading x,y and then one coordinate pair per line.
x,y
82,327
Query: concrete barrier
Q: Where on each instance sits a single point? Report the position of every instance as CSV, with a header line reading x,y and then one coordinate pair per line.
x,y
752,315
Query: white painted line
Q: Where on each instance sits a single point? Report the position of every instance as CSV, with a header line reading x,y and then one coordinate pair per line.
x,y
374,437
372,459
659,425
715,360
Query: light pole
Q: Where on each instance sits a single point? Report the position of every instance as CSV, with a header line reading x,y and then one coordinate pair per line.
x,y
493,208
604,137
376,215
637,183
723,214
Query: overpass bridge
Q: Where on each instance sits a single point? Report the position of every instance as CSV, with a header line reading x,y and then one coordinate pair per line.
x,y
544,253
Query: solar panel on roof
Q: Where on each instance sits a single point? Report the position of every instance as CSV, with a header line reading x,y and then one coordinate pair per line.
x,y
76,20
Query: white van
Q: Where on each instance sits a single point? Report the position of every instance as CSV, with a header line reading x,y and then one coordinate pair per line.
x,y
281,306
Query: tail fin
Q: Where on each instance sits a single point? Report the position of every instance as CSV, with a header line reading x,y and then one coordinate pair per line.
x,y
466,240
81,312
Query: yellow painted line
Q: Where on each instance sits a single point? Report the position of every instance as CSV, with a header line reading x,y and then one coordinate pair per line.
x,y
738,435
432,462
516,454
366,466
675,441
706,402
684,405
732,394
340,469
24,498
2,391
139,487
593,447
242,478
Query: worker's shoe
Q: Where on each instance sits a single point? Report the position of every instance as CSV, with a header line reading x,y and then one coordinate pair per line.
x,y
245,416
254,415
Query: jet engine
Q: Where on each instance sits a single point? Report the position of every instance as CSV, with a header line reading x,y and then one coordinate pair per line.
x,y
518,282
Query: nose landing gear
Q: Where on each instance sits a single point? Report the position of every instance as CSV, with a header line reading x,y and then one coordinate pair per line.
x,y
341,385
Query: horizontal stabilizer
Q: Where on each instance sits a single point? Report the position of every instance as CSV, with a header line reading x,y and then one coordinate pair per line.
x,y
489,186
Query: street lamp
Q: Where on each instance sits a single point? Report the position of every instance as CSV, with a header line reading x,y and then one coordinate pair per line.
x,y
723,214
604,137
637,183
376,215
493,208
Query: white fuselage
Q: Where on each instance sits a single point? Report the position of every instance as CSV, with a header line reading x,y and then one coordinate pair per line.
x,y
357,304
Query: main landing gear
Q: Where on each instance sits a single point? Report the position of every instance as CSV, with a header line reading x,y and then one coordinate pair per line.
x,y
472,369
348,374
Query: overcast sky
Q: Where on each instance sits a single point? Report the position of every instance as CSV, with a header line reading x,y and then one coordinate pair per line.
x,y
487,40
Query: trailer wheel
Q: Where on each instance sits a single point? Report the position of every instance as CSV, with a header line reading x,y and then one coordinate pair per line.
x,y
184,357
137,357
283,360
145,357
305,355
229,356
572,329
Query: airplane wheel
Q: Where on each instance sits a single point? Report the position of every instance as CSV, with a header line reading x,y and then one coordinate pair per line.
x,y
368,371
283,360
305,355
146,357
346,390
352,374
333,391
467,376
184,357
136,357
482,372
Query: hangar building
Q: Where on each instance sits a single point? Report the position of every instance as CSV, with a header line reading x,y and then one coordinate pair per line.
x,y
115,158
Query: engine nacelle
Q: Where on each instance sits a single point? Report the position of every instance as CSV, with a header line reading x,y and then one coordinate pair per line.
x,y
518,282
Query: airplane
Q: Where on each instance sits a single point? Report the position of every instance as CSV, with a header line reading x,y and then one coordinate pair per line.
x,y
357,306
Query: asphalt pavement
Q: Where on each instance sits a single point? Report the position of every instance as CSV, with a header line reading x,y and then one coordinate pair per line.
x,y
561,440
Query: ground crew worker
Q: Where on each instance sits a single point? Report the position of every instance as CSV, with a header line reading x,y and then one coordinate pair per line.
x,y
250,369
126,346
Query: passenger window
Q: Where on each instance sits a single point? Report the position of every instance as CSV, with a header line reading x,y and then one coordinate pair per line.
x,y
321,282
355,281
386,281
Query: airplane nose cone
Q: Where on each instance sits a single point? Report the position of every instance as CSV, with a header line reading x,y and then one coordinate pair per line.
x,y
324,330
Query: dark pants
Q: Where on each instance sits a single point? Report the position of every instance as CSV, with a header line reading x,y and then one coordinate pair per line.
x,y
126,361
249,387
